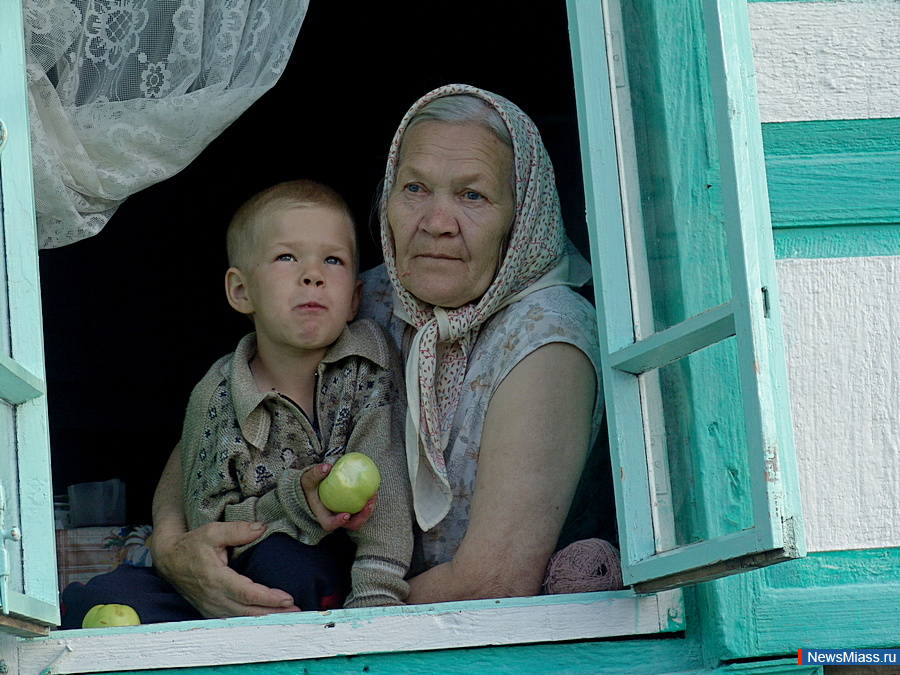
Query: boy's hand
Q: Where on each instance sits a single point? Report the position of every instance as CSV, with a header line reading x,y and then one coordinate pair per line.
x,y
328,520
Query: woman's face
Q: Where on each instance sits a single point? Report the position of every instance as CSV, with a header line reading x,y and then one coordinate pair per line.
x,y
450,210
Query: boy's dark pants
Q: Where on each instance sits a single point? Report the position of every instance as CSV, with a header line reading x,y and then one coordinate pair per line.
x,y
317,577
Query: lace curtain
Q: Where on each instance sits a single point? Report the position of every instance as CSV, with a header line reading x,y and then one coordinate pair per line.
x,y
125,93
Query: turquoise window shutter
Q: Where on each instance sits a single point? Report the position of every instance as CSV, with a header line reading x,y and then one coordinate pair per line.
x,y
28,586
687,303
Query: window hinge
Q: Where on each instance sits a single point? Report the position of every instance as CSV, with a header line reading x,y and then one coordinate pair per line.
x,y
11,534
765,297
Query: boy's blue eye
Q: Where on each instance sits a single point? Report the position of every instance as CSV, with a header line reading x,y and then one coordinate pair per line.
x,y
332,260
285,256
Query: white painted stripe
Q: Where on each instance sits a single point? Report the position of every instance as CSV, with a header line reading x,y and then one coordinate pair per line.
x,y
309,635
841,324
826,60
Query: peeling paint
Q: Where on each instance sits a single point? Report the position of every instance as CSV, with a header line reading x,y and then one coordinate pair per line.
x,y
771,469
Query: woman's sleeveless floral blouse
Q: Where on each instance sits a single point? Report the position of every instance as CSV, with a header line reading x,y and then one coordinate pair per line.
x,y
554,314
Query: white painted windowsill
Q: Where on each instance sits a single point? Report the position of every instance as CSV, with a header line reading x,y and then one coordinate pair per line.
x,y
308,635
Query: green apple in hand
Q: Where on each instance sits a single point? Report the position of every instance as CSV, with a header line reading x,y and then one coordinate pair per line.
x,y
102,616
352,481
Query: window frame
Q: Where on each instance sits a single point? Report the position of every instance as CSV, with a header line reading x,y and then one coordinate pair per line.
x,y
629,350
33,606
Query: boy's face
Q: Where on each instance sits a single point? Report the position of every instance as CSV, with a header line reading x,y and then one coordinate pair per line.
x,y
300,280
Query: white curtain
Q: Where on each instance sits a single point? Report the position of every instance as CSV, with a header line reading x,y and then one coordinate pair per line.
x,y
125,93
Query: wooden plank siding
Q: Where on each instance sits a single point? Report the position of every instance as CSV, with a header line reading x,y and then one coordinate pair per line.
x,y
834,187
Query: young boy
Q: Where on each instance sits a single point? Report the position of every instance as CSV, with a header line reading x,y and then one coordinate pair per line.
x,y
303,389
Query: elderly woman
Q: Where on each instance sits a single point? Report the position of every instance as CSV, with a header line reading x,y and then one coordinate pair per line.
x,y
502,379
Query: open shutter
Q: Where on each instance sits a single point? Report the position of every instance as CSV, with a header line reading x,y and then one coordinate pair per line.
x,y
684,271
28,587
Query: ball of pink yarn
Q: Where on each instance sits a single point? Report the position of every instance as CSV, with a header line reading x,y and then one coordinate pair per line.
x,y
584,566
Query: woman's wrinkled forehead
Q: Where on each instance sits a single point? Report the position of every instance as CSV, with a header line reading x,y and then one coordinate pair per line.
x,y
473,143
421,122
461,110
467,155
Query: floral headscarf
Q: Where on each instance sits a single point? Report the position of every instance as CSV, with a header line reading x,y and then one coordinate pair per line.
x,y
535,258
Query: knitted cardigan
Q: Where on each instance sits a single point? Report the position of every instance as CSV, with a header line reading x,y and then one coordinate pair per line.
x,y
243,453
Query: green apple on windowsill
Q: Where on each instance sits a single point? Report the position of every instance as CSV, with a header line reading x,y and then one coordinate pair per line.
x,y
352,481
104,616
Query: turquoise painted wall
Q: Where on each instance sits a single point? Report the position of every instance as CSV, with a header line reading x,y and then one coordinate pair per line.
x,y
637,657
833,600
834,187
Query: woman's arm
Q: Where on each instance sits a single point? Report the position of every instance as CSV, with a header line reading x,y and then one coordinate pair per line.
x,y
533,446
196,562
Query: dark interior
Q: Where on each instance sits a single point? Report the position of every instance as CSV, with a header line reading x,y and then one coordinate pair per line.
x,y
135,315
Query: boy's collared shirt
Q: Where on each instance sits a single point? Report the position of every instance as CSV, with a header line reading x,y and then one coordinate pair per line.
x,y
249,401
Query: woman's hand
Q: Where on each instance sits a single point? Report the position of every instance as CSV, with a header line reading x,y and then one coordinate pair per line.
x,y
329,520
196,562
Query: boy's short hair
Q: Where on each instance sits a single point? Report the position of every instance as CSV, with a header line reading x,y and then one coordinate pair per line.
x,y
241,236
